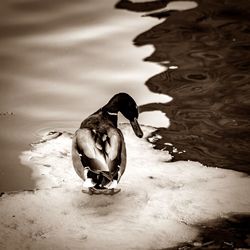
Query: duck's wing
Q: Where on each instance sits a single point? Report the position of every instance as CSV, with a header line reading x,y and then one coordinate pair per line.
x,y
123,156
117,152
76,158
99,152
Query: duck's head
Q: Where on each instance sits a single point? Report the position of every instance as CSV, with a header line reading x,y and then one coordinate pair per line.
x,y
127,106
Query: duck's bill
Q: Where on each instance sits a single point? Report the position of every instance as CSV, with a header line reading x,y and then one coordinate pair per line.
x,y
136,127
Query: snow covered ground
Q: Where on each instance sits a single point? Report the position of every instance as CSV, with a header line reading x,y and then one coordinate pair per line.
x,y
157,207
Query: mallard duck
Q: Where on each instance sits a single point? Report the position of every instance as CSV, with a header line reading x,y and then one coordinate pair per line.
x,y
98,149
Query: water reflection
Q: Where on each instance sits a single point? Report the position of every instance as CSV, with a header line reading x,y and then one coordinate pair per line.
x,y
209,114
61,61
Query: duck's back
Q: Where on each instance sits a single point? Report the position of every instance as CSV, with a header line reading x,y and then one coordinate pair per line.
x,y
99,144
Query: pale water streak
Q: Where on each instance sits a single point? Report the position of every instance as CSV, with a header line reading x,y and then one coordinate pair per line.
x,y
60,62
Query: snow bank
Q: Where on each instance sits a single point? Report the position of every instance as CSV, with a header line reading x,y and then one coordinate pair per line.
x,y
157,207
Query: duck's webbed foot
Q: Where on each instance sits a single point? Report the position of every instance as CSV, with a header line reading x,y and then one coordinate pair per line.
x,y
104,191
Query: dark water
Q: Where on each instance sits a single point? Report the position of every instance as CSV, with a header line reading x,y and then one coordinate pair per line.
x,y
224,233
209,114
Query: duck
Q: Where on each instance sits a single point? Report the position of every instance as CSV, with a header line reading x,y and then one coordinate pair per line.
x,y
98,146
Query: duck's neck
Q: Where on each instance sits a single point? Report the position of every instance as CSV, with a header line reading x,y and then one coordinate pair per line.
x,y
111,115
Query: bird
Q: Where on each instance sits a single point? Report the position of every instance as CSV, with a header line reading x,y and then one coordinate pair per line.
x,y
98,146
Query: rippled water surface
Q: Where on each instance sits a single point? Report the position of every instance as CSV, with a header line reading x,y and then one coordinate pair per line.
x,y
206,54
62,60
